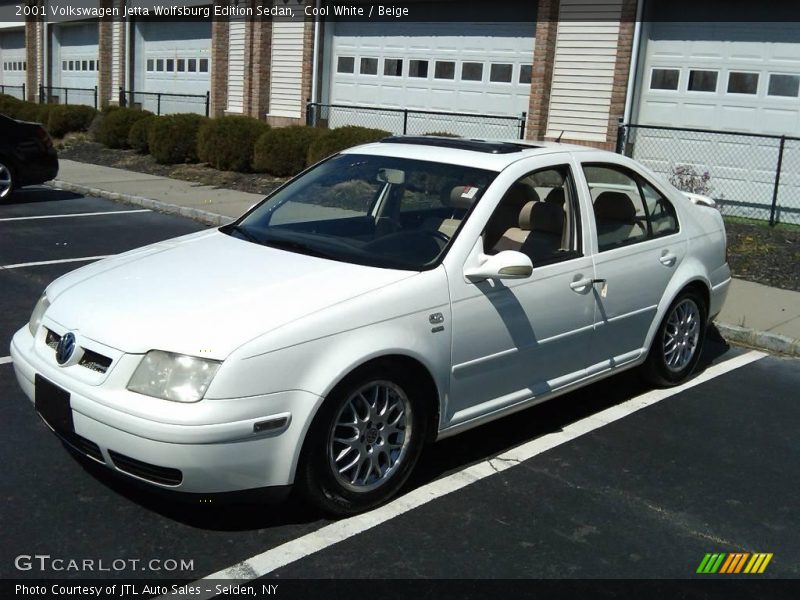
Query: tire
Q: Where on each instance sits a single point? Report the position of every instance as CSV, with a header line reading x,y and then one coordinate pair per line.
x,y
349,464
7,180
678,342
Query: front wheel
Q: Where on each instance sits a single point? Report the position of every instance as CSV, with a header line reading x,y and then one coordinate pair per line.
x,y
363,443
6,180
678,342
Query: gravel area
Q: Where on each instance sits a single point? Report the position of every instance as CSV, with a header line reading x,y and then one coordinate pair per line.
x,y
759,253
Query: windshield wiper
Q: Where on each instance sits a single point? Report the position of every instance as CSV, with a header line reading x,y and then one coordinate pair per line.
x,y
295,246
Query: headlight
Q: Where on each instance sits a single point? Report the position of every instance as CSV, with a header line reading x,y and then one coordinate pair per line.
x,y
173,376
38,312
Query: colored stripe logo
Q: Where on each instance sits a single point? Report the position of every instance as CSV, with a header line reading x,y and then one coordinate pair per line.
x,y
732,563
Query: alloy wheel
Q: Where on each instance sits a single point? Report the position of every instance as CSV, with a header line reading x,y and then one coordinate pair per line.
x,y
681,335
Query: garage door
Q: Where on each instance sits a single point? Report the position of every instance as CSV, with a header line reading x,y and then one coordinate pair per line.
x,y
482,68
172,58
734,77
12,61
75,63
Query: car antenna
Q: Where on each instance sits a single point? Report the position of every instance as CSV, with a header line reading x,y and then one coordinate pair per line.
x,y
558,139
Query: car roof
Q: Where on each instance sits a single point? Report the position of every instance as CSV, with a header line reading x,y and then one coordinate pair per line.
x,y
490,154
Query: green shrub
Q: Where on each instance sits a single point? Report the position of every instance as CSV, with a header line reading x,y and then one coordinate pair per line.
x,y
335,140
66,118
9,105
283,151
442,134
139,134
226,143
173,139
114,128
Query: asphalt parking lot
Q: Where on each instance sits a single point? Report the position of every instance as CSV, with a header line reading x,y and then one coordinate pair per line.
x,y
711,467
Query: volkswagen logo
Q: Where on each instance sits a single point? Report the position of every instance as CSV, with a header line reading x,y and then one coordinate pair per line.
x,y
66,348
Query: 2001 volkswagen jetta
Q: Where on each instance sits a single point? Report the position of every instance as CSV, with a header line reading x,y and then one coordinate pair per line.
x,y
396,293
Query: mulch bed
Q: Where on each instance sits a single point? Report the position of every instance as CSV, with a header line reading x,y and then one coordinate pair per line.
x,y
759,253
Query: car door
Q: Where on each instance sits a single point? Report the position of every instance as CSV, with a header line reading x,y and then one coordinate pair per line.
x,y
518,339
637,249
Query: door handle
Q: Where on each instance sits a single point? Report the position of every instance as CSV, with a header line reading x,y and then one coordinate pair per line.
x,y
668,259
581,284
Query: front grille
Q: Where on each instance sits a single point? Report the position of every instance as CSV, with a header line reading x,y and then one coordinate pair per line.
x,y
91,360
156,474
52,339
94,361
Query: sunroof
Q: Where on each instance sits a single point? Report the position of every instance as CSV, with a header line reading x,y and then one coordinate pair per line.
x,y
459,144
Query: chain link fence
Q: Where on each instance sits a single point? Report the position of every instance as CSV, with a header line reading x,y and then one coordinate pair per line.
x,y
162,103
416,122
17,91
748,175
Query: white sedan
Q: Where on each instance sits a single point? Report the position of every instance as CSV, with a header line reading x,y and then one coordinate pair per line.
x,y
395,294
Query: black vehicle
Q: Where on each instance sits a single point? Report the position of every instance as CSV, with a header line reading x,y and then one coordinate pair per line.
x,y
27,155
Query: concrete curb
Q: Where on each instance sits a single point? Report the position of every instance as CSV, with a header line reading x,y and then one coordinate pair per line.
x,y
764,340
196,214
771,342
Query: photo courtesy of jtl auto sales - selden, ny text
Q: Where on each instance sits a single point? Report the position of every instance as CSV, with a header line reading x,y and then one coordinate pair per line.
x,y
430,299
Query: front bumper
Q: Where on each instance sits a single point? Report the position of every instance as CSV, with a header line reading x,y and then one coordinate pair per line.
x,y
224,453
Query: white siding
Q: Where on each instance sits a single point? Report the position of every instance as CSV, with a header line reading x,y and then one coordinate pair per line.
x,y
236,43
117,49
583,69
285,89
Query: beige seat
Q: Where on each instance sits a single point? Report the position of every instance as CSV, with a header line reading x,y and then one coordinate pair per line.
x,y
538,232
615,215
459,200
507,214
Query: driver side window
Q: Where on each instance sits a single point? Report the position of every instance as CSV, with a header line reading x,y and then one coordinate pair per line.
x,y
537,216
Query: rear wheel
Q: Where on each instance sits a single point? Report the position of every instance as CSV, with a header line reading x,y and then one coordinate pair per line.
x,y
678,342
363,443
6,180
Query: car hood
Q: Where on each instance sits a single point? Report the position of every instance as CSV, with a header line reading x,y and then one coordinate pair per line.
x,y
204,294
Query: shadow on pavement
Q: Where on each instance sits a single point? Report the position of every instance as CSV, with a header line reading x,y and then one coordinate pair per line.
x,y
33,194
440,459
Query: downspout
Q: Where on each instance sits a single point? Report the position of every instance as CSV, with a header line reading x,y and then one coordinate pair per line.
x,y
634,66
315,54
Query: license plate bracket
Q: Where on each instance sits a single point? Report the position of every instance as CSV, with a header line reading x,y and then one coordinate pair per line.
x,y
53,405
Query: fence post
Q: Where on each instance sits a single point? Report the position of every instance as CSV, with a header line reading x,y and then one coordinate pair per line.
x,y
208,103
121,97
773,208
158,104
405,121
522,121
95,97
621,136
66,95
23,91
41,94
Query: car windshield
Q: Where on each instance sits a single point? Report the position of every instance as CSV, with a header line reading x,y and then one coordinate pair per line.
x,y
373,210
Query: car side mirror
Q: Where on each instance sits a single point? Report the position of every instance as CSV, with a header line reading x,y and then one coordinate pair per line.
x,y
507,264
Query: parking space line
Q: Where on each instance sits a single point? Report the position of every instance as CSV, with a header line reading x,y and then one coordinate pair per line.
x,y
87,214
294,550
5,360
53,262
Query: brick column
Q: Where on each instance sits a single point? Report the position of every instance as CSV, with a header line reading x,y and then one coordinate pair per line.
x,y
105,57
219,65
621,69
33,53
259,61
542,71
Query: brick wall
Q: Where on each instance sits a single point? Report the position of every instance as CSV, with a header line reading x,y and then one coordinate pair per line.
x,y
308,58
33,29
257,67
542,71
105,57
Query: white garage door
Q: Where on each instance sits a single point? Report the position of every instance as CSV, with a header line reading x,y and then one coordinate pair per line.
x,y
482,68
734,77
75,63
12,61
172,58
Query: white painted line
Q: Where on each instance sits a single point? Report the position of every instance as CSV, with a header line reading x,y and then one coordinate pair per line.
x,y
280,556
53,262
5,360
88,214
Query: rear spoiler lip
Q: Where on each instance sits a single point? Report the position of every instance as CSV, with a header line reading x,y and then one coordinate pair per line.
x,y
701,200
